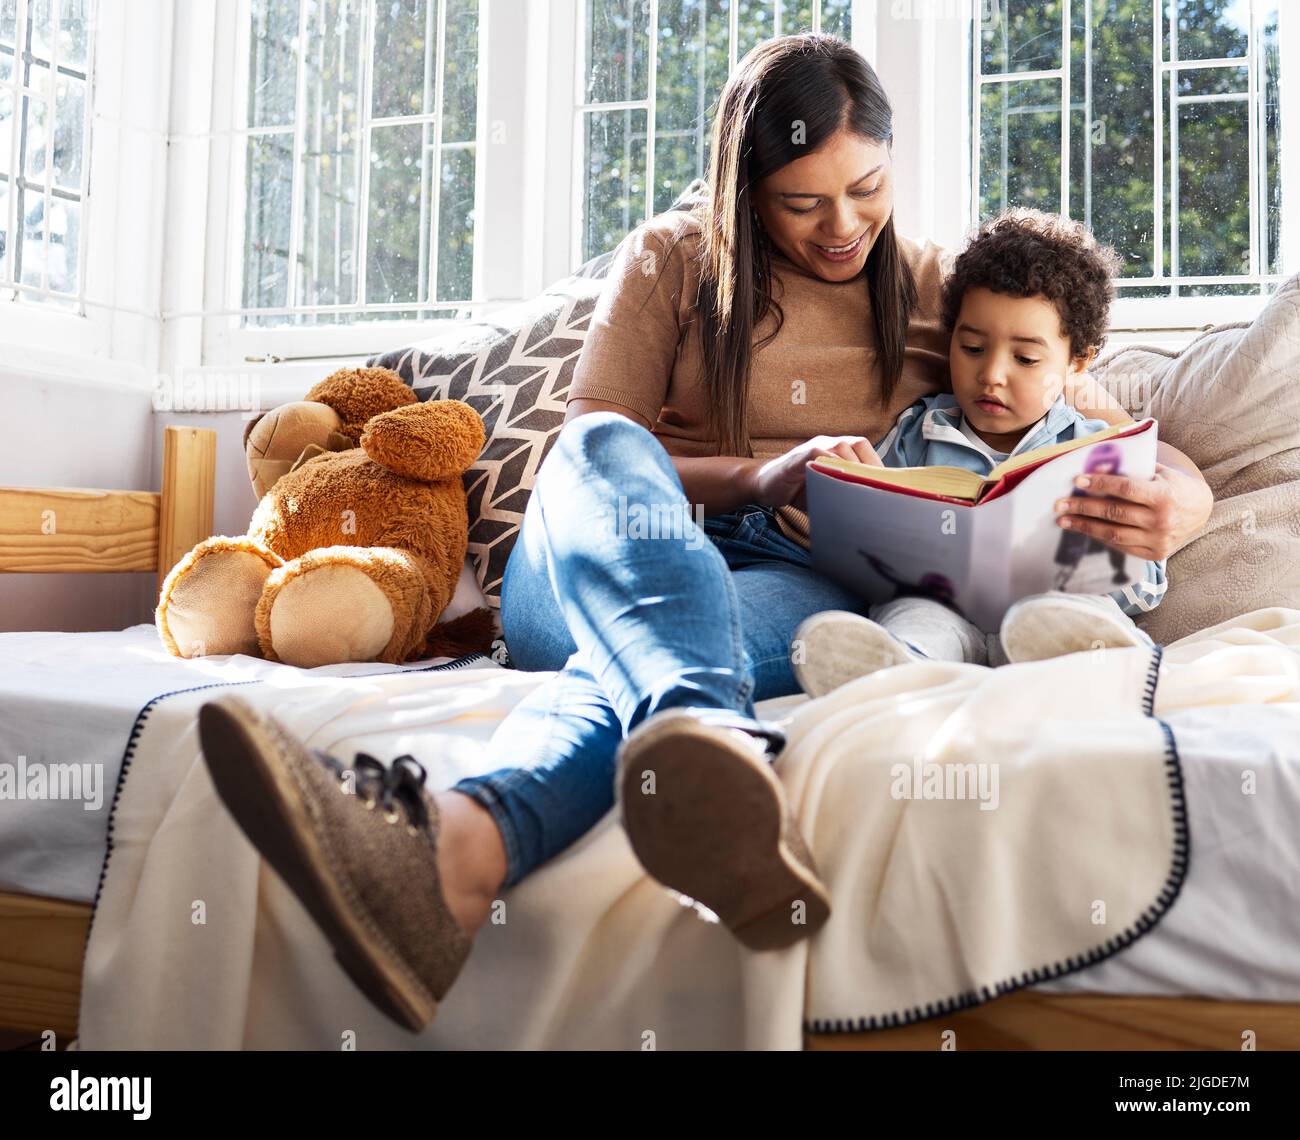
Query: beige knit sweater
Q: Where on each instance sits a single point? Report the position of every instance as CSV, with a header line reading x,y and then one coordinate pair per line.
x,y
816,377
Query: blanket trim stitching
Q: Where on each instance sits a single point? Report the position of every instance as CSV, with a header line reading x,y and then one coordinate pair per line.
x,y
1143,925
138,726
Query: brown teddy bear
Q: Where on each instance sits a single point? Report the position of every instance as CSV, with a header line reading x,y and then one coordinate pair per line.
x,y
357,544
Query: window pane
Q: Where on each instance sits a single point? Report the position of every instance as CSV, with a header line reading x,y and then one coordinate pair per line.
x,y
460,78
33,164
1020,146
836,18
273,62
618,44
65,228
398,221
31,211
6,128
1020,35
8,21
796,16
1272,204
1112,161
1214,81
1213,189
38,12
73,33
331,152
5,270
614,161
405,57
38,79
456,225
692,70
1212,29
269,182
70,116
755,22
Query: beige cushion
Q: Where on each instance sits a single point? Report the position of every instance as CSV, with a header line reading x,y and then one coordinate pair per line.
x,y
1231,402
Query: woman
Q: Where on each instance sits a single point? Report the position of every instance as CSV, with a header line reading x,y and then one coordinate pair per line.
x,y
731,345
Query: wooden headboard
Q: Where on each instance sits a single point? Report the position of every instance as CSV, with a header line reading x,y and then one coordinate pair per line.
x,y
62,530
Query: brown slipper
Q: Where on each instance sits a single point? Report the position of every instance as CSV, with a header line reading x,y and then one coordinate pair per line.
x,y
356,844
707,817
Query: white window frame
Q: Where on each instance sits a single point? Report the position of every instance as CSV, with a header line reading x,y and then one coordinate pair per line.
x,y
923,51
501,237
115,312
1167,313
530,190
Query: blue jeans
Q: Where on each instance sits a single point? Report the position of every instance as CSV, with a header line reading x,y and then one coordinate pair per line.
x,y
613,584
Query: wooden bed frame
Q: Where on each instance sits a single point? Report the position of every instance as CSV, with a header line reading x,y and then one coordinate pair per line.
x,y
42,940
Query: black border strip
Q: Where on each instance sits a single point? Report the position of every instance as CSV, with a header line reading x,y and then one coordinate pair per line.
x,y
1144,924
138,727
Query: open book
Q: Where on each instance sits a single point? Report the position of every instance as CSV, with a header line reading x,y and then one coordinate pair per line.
x,y
977,542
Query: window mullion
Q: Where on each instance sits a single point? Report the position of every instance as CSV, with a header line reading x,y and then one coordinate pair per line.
x,y
364,126
1158,147
87,113
435,174
1087,113
297,188
651,91
17,172
1065,107
1253,136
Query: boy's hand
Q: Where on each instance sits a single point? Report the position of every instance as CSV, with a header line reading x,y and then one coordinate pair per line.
x,y
1147,518
780,482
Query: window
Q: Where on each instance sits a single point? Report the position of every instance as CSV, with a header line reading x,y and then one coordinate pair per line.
x,y
359,164
1158,124
652,73
45,54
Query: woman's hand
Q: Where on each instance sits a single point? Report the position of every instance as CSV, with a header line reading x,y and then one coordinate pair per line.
x,y
780,482
1147,518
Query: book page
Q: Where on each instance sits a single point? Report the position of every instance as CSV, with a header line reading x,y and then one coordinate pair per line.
x,y
1048,451
1048,557
883,544
955,482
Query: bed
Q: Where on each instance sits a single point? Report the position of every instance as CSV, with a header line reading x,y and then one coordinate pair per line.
x,y
1229,940
1218,970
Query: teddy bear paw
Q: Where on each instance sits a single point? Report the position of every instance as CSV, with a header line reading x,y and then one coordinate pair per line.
x,y
324,614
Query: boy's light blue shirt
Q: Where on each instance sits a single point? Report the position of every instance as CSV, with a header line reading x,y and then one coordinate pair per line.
x,y
928,434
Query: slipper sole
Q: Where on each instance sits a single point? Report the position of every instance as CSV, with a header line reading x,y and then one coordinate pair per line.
x,y
839,647
267,803
714,831
1042,632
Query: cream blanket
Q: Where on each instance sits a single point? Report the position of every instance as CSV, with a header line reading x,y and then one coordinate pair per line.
x,y
1060,838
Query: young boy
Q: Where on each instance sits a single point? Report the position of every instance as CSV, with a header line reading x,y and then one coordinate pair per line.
x,y
1026,304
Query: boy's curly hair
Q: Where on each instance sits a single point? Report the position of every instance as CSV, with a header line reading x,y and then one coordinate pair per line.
x,y
1027,253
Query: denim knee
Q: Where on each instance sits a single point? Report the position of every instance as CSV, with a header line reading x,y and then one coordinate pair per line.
x,y
610,443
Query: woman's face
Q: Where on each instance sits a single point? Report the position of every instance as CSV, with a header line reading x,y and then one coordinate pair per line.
x,y
839,195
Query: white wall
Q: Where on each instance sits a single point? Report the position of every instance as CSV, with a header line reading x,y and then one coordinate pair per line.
x,y
76,433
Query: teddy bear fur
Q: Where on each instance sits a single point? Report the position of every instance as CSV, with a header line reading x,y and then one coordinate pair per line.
x,y
356,547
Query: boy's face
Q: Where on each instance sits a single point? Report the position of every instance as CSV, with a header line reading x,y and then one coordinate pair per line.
x,y
1009,363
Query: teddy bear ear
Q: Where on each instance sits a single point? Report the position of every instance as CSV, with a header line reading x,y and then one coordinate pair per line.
x,y
248,427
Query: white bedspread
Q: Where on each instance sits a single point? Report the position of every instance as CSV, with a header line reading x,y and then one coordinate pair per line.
x,y
936,902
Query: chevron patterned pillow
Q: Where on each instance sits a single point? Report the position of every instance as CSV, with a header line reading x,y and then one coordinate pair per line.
x,y
514,369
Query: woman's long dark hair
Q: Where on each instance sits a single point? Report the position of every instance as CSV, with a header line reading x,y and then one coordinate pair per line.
x,y
820,81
